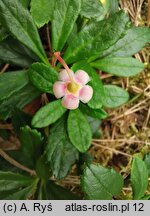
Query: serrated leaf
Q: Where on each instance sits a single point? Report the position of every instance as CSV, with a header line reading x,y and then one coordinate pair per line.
x,y
43,77
12,82
48,114
95,113
16,53
114,96
132,42
19,99
119,66
147,162
42,11
79,130
139,177
95,83
56,192
65,15
18,21
101,183
31,141
60,147
91,8
96,37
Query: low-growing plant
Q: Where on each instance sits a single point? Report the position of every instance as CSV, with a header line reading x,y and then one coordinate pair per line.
x,y
55,99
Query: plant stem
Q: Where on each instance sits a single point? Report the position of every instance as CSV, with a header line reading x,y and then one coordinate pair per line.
x,y
16,164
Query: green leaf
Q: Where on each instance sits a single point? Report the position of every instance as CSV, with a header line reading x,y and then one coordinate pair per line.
x,y
79,130
101,183
96,37
147,162
43,169
48,114
94,124
95,83
25,3
114,96
119,66
12,82
18,21
31,141
16,53
95,113
15,186
56,192
139,178
60,147
65,15
19,99
22,194
42,11
132,42
91,8
10,181
43,77
3,33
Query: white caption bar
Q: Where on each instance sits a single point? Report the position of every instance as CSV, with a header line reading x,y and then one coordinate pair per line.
x,y
74,207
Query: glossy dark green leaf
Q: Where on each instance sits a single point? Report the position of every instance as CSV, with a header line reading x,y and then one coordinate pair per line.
x,y
100,183
10,181
14,186
65,15
79,130
19,99
31,141
91,8
96,37
139,178
16,53
147,162
95,113
56,192
60,147
132,42
48,114
119,66
42,11
43,77
18,21
114,96
12,82
95,83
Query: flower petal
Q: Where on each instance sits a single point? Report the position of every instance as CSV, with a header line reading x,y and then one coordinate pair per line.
x,y
59,89
82,77
70,102
63,75
86,94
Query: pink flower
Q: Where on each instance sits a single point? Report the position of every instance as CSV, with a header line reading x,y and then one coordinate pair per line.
x,y
72,88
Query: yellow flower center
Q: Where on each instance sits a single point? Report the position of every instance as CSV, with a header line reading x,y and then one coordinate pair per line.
x,y
73,87
103,1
